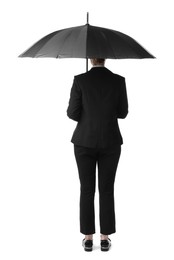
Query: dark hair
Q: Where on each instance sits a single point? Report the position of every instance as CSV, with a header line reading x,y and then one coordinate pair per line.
x,y
98,60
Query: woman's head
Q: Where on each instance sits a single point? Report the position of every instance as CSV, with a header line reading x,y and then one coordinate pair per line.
x,y
97,61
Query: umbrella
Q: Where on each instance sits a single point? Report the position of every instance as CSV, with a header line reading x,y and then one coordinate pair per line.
x,y
87,41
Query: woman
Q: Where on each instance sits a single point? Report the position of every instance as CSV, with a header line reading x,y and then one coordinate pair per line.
x,y
98,97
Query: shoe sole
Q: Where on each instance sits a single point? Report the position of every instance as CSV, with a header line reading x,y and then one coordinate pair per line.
x,y
104,249
88,249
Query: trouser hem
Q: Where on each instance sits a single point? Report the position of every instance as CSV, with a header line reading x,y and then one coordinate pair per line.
x,y
107,233
87,233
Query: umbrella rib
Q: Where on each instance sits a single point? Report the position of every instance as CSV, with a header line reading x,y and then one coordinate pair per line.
x,y
58,54
38,45
122,36
111,47
74,42
54,36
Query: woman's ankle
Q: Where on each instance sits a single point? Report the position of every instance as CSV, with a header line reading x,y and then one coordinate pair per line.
x,y
103,237
89,237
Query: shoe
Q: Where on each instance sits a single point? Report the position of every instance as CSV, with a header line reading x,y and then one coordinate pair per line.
x,y
87,244
105,244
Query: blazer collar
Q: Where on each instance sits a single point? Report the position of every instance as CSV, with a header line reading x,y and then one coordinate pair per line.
x,y
98,66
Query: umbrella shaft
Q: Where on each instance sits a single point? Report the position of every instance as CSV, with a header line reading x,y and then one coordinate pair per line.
x,y
86,64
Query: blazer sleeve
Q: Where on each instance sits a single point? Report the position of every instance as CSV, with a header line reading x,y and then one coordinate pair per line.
x,y
75,102
122,109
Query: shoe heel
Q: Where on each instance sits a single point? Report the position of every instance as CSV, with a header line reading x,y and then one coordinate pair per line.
x,y
88,249
104,249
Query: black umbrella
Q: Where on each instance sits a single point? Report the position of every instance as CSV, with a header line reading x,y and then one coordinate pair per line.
x,y
87,41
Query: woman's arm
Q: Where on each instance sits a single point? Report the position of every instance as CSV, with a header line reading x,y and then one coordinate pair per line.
x,y
75,102
122,109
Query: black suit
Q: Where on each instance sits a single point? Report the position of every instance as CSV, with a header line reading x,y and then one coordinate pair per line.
x,y
97,99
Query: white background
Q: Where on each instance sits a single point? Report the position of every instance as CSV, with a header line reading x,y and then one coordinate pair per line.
x,y
39,185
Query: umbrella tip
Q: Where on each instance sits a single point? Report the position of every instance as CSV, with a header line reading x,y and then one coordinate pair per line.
x,y
87,18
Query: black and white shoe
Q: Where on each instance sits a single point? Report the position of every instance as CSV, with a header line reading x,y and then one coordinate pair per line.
x,y
105,244
87,244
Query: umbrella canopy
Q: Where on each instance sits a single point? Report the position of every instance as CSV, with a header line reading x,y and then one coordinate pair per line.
x,y
87,41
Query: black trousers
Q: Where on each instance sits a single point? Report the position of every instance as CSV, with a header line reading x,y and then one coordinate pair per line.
x,y
107,160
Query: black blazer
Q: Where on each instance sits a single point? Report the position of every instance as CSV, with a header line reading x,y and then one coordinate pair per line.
x,y
98,97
